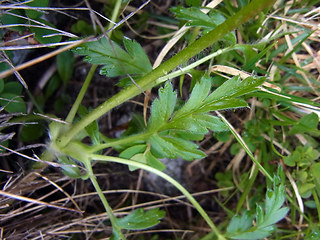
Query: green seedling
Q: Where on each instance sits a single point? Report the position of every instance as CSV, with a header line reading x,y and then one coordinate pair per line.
x,y
169,132
177,121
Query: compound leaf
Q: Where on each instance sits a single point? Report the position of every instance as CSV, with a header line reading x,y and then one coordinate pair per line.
x,y
170,133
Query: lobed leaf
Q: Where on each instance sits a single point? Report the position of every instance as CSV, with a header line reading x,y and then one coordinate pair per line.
x,y
197,18
235,87
194,15
162,107
240,223
172,132
266,218
115,60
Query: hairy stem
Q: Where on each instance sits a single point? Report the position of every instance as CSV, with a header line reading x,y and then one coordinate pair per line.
x,y
149,80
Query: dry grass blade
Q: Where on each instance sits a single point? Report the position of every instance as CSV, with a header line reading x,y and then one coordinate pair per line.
x,y
234,72
7,73
35,201
61,190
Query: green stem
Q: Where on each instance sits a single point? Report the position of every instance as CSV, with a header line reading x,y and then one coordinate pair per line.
x,y
86,84
247,187
104,201
149,80
122,141
316,200
167,178
81,94
115,14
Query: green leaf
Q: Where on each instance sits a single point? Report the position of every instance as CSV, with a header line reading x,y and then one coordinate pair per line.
x,y
83,27
61,103
256,234
235,87
292,159
13,87
154,162
193,15
171,133
307,124
197,18
8,19
31,132
176,130
265,218
141,158
162,107
240,223
53,84
46,33
224,104
65,61
172,147
140,153
1,85
136,125
69,168
193,2
314,235
302,156
315,170
140,219
12,103
305,189
116,61
197,98
34,14
197,123
131,151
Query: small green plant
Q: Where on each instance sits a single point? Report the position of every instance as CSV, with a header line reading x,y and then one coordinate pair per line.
x,y
241,227
177,121
169,131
